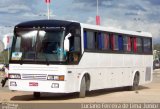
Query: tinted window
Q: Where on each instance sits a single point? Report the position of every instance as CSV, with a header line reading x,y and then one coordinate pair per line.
x,y
120,42
74,44
85,39
139,44
114,42
100,40
103,41
147,45
126,43
90,40
134,40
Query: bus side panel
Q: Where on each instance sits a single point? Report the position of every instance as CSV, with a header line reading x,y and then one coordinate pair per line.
x,y
114,70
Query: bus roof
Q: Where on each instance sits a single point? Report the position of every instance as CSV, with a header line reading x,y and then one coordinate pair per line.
x,y
45,23
115,30
65,23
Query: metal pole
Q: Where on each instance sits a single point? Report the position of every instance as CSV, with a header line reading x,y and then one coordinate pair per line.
x,y
97,7
8,40
8,54
97,16
48,10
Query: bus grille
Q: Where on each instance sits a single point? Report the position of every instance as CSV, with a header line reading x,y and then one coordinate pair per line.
x,y
34,76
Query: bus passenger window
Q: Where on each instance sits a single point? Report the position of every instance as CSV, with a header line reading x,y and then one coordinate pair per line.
x,y
77,44
99,40
74,44
135,45
139,45
114,42
147,44
74,57
74,51
89,40
120,42
96,42
105,41
85,39
127,43
71,41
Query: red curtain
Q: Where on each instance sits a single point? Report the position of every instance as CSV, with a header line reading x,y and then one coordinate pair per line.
x,y
135,44
129,44
112,41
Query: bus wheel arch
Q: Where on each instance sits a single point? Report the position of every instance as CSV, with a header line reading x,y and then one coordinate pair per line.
x,y
135,81
84,85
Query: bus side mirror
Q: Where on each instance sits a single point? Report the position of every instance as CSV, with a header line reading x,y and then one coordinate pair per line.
x,y
66,42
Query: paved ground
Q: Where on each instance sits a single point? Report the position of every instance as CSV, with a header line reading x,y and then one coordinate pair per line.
x,y
149,93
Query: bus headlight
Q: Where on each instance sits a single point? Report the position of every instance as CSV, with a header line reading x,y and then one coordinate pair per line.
x,y
14,76
56,77
50,77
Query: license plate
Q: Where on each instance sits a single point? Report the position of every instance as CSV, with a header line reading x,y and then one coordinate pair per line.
x,y
33,84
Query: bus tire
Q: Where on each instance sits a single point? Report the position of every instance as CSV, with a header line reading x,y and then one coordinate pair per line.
x,y
83,88
36,94
135,83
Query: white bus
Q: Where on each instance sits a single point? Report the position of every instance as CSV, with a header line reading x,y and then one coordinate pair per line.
x,y
64,57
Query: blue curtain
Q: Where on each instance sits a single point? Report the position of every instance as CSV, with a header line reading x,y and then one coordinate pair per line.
x,y
85,40
120,42
99,40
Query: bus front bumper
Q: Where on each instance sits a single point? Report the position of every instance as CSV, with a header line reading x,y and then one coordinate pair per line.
x,y
38,86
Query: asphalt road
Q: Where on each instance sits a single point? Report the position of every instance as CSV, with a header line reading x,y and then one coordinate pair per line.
x,y
149,93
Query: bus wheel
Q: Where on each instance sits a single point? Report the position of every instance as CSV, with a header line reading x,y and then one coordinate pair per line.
x,y
83,88
135,83
36,94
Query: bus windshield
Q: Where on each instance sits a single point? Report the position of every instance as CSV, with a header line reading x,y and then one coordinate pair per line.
x,y
38,45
